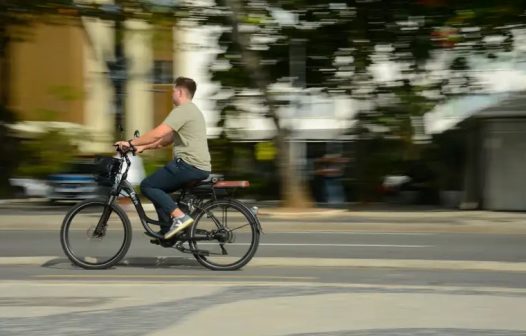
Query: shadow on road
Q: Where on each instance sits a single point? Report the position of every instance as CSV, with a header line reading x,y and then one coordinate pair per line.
x,y
143,262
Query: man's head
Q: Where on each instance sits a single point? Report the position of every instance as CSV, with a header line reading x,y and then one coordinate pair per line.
x,y
183,90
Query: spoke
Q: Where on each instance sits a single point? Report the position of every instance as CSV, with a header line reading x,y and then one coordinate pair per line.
x,y
214,218
225,224
239,227
230,243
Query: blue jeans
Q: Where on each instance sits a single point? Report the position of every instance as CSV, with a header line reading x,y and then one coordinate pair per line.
x,y
158,186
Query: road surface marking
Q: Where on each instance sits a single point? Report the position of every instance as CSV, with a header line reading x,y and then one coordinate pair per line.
x,y
168,276
325,245
355,233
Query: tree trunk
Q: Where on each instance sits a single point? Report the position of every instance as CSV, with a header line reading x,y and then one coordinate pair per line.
x,y
294,193
293,190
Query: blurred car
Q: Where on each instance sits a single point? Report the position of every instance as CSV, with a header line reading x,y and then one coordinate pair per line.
x,y
75,183
78,181
28,187
394,183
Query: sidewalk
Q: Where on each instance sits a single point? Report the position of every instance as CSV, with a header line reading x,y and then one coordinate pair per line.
x,y
31,214
385,218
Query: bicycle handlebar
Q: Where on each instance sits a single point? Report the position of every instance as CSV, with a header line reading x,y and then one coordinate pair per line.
x,y
126,151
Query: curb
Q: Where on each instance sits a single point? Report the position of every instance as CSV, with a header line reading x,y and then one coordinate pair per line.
x,y
467,265
21,200
298,214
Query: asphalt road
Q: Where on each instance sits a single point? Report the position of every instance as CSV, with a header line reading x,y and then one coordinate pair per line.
x,y
359,276
146,261
389,245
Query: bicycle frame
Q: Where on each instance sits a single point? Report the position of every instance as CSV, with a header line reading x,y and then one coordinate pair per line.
x,y
122,185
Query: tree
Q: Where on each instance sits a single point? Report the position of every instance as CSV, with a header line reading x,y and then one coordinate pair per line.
x,y
343,42
257,49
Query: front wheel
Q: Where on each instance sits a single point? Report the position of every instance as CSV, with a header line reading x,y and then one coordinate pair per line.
x,y
94,236
225,235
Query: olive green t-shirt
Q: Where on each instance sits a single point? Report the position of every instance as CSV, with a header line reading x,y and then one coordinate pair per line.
x,y
190,143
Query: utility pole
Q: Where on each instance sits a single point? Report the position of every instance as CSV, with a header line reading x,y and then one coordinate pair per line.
x,y
118,67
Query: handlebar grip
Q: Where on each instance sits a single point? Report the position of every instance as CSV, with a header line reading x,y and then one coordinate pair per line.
x,y
123,152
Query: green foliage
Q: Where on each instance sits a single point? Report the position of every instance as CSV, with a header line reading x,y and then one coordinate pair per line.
x,y
154,160
221,153
236,160
47,153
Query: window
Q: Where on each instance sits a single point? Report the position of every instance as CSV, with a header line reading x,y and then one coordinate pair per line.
x,y
163,72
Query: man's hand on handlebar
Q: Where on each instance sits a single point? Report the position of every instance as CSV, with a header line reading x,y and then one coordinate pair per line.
x,y
125,147
122,145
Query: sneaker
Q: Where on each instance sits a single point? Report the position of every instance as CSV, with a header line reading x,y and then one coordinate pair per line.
x,y
178,224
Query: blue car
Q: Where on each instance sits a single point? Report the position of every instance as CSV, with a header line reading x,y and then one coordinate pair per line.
x,y
76,183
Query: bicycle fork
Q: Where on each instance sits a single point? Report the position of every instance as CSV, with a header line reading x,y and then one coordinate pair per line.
x,y
100,229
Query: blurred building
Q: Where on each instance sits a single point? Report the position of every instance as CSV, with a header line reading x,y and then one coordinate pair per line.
x,y
496,162
494,141
60,79
59,74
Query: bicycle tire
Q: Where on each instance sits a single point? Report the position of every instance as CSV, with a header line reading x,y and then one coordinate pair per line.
x,y
202,259
64,235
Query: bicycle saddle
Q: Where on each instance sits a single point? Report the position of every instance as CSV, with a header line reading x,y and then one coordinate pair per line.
x,y
210,180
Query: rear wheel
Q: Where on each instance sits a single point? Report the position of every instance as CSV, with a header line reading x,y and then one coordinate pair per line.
x,y
225,234
93,246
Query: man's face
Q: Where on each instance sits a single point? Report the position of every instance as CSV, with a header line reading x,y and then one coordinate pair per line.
x,y
176,95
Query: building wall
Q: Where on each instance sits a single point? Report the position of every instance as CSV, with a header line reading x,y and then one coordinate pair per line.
x,y
47,74
140,97
99,117
59,74
504,157
164,58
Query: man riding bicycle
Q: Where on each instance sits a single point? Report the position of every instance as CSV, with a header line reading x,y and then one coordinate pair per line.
x,y
185,127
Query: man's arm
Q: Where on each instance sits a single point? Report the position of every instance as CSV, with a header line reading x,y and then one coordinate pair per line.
x,y
149,138
155,135
163,142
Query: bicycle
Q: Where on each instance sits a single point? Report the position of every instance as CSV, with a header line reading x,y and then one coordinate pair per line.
x,y
98,223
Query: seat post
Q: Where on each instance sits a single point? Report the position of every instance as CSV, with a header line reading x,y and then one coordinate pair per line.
x,y
214,193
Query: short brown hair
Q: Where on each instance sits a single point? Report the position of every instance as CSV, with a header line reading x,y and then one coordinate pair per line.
x,y
187,83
